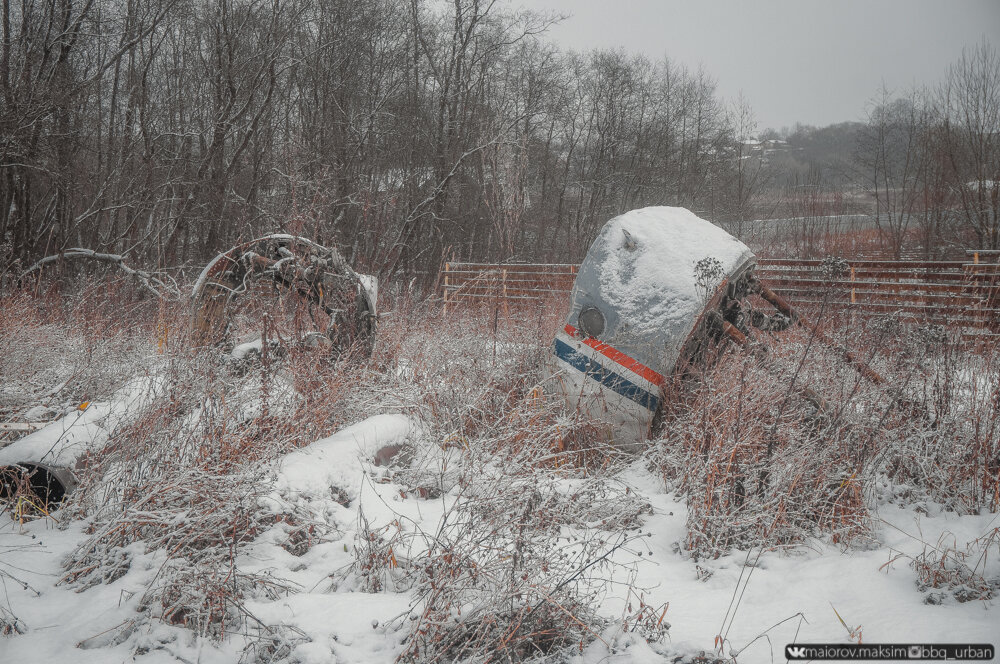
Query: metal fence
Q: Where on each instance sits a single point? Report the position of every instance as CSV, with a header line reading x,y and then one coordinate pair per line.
x,y
953,293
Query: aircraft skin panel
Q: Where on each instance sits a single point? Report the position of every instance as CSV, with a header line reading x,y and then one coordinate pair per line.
x,y
633,366
611,369
591,382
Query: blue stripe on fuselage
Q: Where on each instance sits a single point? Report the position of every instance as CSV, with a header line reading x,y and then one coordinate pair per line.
x,y
593,369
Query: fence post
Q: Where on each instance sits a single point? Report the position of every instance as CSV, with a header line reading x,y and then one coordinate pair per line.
x,y
505,312
853,299
444,309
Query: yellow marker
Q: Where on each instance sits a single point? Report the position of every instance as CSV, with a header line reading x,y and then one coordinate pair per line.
x,y
83,406
161,342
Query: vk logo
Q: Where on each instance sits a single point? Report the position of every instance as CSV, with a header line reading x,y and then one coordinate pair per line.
x,y
795,652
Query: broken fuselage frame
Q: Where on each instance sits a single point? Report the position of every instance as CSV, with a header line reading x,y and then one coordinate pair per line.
x,y
657,288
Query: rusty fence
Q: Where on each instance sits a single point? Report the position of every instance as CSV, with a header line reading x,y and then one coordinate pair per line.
x,y
953,293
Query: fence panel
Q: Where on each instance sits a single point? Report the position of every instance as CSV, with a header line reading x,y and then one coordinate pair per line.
x,y
952,293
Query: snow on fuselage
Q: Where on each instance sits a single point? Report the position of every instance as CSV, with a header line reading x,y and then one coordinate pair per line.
x,y
635,302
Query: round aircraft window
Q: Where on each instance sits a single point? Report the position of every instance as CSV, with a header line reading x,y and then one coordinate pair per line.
x,y
591,321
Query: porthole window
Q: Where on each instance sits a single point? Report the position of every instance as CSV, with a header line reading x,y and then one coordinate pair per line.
x,y
591,322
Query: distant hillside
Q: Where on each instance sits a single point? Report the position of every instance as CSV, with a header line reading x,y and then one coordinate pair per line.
x,y
815,155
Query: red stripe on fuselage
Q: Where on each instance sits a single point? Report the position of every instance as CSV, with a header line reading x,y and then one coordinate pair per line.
x,y
617,356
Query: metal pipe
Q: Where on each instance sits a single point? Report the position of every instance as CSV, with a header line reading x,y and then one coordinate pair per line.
x,y
43,485
784,307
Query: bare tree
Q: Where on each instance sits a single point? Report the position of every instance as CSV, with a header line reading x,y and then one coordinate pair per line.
x,y
891,151
165,130
749,153
970,104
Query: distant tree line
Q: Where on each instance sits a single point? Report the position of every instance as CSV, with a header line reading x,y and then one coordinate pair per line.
x,y
924,165
403,131
930,158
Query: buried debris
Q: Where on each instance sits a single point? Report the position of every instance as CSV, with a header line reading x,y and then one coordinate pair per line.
x,y
335,307
658,287
34,489
340,301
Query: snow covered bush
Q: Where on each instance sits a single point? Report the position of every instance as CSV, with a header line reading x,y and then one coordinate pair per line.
x,y
518,563
966,573
759,463
946,449
769,452
185,480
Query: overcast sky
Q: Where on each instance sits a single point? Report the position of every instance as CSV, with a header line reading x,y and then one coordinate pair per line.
x,y
794,60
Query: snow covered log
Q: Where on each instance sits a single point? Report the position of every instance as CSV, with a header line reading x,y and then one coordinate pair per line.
x,y
338,462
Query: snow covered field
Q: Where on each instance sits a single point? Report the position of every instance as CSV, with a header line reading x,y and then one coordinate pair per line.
x,y
783,595
349,541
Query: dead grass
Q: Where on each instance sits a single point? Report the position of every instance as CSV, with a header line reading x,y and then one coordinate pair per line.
x,y
186,476
770,453
56,354
966,573
518,565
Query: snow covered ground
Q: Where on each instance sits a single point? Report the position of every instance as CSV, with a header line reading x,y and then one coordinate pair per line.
x,y
757,601
332,542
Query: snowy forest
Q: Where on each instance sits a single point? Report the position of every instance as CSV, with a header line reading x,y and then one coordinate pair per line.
x,y
407,131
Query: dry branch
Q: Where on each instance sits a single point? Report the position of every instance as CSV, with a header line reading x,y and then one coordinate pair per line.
x,y
152,282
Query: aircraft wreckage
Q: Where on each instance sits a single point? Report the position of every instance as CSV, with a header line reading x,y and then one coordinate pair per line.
x,y
318,274
657,286
42,466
